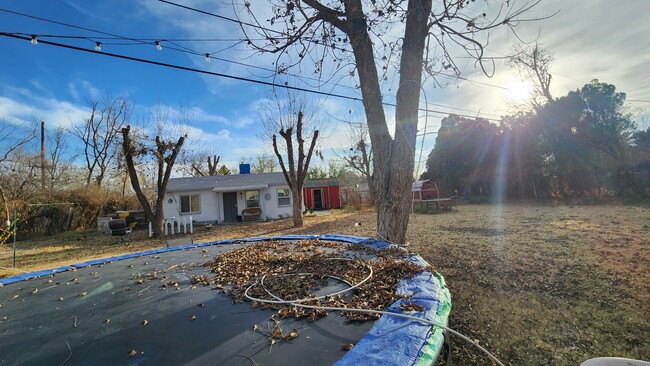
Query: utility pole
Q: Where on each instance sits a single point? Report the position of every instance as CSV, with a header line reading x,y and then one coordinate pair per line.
x,y
14,246
43,155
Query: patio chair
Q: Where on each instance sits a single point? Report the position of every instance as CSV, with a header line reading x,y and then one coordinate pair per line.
x,y
119,227
251,214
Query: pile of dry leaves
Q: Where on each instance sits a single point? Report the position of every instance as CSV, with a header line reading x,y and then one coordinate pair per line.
x,y
297,270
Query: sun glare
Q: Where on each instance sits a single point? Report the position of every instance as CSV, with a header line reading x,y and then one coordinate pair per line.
x,y
518,90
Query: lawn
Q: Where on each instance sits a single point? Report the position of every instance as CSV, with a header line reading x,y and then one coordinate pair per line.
x,y
536,284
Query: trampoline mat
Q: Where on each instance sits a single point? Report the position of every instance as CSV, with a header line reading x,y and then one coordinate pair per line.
x,y
115,314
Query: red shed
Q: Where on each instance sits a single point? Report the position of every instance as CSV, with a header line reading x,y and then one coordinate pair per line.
x,y
321,193
423,190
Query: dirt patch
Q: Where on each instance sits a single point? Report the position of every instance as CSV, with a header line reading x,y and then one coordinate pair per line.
x,y
535,284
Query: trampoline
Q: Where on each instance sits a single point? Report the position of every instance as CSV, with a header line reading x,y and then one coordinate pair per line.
x,y
173,306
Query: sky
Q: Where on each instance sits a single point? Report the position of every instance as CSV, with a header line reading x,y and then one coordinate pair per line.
x,y
599,39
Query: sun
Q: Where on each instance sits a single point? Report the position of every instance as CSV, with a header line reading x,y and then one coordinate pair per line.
x,y
518,90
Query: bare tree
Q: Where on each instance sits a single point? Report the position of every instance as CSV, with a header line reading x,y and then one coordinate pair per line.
x,y
194,164
59,162
98,133
264,163
292,116
164,154
359,156
534,64
340,30
13,139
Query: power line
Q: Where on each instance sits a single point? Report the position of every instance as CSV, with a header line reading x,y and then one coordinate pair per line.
x,y
191,69
93,38
220,16
196,53
180,48
257,26
309,40
137,59
155,41
65,24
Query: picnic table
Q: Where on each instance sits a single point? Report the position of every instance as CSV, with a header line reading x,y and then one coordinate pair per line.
x,y
443,204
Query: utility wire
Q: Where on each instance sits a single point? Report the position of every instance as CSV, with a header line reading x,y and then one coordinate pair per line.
x,y
282,33
68,25
181,48
257,26
153,41
218,16
240,78
93,38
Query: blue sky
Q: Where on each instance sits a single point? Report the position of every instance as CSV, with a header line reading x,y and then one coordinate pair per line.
x,y
599,39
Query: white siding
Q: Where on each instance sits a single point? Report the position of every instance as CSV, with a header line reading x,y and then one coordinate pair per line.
x,y
270,208
209,206
212,205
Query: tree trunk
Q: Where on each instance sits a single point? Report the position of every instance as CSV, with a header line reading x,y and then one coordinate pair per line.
x,y
157,221
393,159
395,207
297,208
164,168
297,172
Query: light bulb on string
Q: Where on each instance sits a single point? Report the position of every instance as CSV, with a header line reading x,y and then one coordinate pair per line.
x,y
158,46
98,46
34,39
207,57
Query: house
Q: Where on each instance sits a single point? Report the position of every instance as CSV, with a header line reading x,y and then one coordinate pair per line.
x,y
222,198
423,190
322,193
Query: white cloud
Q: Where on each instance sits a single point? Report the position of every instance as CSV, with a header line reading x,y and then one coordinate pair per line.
x,y
205,139
21,106
82,90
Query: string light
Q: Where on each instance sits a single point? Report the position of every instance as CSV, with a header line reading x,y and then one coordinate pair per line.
x,y
158,46
207,57
34,39
98,46
314,91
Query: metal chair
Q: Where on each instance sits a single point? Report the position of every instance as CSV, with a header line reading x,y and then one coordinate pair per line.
x,y
119,227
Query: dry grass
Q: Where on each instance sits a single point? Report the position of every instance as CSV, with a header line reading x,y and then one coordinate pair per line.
x,y
536,284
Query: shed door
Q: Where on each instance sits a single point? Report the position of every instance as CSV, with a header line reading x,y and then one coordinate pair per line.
x,y
230,207
318,199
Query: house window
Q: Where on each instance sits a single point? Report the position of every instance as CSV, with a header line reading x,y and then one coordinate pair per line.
x,y
284,197
191,203
252,199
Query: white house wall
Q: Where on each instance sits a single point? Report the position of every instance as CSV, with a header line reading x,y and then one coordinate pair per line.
x,y
270,208
209,206
212,205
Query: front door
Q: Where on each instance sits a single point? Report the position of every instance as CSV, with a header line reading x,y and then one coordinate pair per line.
x,y
230,207
318,199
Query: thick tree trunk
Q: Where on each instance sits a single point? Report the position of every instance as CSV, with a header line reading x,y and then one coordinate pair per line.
x,y
164,168
296,174
157,221
372,101
297,208
393,159
395,205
